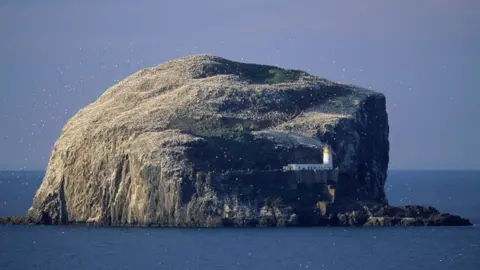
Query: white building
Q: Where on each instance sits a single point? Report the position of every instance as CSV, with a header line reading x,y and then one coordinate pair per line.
x,y
327,163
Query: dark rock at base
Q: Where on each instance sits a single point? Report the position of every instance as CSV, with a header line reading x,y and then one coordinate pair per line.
x,y
363,214
16,220
358,214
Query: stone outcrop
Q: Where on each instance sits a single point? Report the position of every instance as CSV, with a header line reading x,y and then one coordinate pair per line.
x,y
149,151
350,213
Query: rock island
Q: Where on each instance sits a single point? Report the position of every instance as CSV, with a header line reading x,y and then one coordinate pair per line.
x,y
202,141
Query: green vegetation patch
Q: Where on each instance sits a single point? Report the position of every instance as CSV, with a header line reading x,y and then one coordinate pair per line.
x,y
282,76
269,75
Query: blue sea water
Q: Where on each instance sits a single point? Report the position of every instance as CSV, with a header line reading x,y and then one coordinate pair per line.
x,y
60,247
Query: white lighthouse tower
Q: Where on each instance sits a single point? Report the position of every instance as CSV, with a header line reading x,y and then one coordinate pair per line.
x,y
327,157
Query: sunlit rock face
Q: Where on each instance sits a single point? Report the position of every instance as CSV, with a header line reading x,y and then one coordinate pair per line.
x,y
157,148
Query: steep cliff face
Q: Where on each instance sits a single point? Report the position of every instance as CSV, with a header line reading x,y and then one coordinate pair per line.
x,y
139,154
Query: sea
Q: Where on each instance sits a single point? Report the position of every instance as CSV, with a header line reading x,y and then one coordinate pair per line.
x,y
412,248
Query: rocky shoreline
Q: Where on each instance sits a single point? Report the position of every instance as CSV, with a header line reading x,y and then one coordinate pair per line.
x,y
361,216
410,215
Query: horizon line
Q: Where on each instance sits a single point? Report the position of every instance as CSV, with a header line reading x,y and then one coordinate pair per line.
x,y
394,169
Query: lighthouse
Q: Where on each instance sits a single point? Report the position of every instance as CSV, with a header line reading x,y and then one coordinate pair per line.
x,y
327,157
326,165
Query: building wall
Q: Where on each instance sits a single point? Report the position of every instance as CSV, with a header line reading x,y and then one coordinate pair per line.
x,y
325,165
327,158
297,167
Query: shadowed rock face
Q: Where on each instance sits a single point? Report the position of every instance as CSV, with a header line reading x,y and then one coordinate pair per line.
x,y
134,156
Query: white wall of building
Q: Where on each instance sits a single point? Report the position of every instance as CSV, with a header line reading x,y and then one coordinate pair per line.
x,y
327,163
327,157
299,167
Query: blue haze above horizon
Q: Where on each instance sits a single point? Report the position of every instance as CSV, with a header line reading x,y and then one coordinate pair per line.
x,y
59,56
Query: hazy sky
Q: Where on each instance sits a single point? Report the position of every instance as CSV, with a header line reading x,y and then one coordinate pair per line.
x,y
58,56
